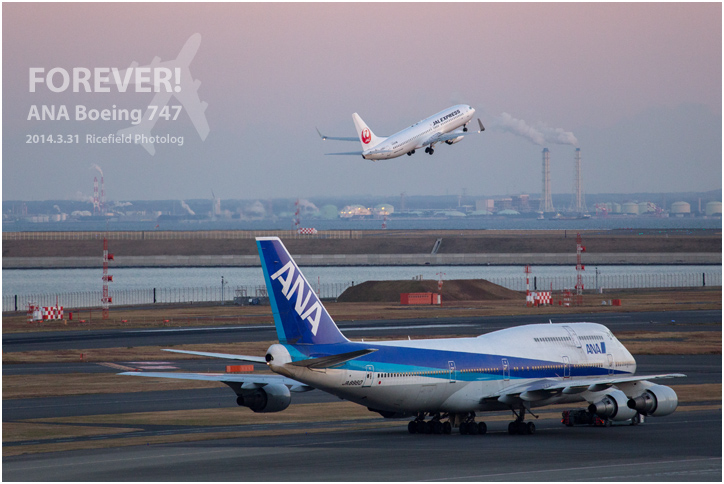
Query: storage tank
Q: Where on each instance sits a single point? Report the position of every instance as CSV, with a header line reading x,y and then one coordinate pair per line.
x,y
680,209
383,208
630,208
713,209
645,207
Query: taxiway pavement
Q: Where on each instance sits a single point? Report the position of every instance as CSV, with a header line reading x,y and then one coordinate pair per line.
x,y
685,446
704,320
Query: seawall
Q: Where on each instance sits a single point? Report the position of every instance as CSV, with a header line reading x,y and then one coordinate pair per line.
x,y
615,258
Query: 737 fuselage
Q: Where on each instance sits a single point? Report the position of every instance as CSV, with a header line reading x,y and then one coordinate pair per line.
x,y
448,126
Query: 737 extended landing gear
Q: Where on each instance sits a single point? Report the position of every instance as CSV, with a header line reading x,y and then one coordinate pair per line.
x,y
518,426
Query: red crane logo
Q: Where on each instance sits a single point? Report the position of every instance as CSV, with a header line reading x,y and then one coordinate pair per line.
x,y
366,136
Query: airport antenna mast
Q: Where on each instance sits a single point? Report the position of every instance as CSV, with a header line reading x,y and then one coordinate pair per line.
x,y
106,299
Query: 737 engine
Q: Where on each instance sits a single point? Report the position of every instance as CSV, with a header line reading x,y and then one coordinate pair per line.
x,y
455,140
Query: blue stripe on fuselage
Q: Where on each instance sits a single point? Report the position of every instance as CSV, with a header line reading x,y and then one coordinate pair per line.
x,y
435,363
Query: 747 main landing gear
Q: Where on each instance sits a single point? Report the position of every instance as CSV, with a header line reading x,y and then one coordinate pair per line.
x,y
518,426
429,150
410,153
467,423
434,426
470,427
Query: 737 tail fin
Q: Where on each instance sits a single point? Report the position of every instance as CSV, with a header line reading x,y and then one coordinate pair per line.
x,y
366,136
299,315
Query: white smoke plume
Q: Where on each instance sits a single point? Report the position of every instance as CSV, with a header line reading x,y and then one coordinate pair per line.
x,y
256,209
96,167
509,124
188,209
305,206
57,208
82,198
540,134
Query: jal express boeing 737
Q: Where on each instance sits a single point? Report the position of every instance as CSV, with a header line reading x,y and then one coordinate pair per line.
x,y
442,383
448,126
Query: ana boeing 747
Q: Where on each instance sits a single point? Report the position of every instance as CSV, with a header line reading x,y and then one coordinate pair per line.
x,y
448,126
441,383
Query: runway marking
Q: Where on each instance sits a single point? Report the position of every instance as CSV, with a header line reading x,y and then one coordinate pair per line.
x,y
576,469
666,474
326,443
117,366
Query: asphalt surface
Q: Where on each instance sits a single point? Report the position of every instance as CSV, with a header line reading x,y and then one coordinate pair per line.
x,y
699,369
705,320
685,446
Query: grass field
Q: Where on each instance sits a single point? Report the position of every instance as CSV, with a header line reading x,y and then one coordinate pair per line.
x,y
394,242
216,315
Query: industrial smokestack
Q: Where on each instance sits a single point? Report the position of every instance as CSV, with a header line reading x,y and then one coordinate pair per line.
x,y
546,202
578,204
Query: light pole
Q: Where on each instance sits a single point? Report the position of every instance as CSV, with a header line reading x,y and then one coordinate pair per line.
x,y
597,279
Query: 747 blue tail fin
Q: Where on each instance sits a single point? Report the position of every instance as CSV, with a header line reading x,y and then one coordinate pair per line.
x,y
299,315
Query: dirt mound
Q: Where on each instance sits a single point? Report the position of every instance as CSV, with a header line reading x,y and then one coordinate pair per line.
x,y
460,290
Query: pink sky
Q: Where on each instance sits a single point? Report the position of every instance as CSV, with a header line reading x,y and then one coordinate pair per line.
x,y
272,72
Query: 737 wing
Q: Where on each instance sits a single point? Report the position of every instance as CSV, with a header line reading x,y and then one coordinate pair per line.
x,y
336,138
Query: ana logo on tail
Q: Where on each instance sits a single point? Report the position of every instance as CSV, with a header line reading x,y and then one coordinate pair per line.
x,y
311,313
366,136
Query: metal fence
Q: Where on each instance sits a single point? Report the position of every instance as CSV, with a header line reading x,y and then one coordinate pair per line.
x,y
612,281
134,297
131,297
180,234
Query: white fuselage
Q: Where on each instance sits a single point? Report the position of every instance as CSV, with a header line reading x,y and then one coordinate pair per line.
x,y
469,374
421,133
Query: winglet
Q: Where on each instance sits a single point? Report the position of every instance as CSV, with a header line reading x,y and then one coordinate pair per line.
x,y
482,128
320,134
